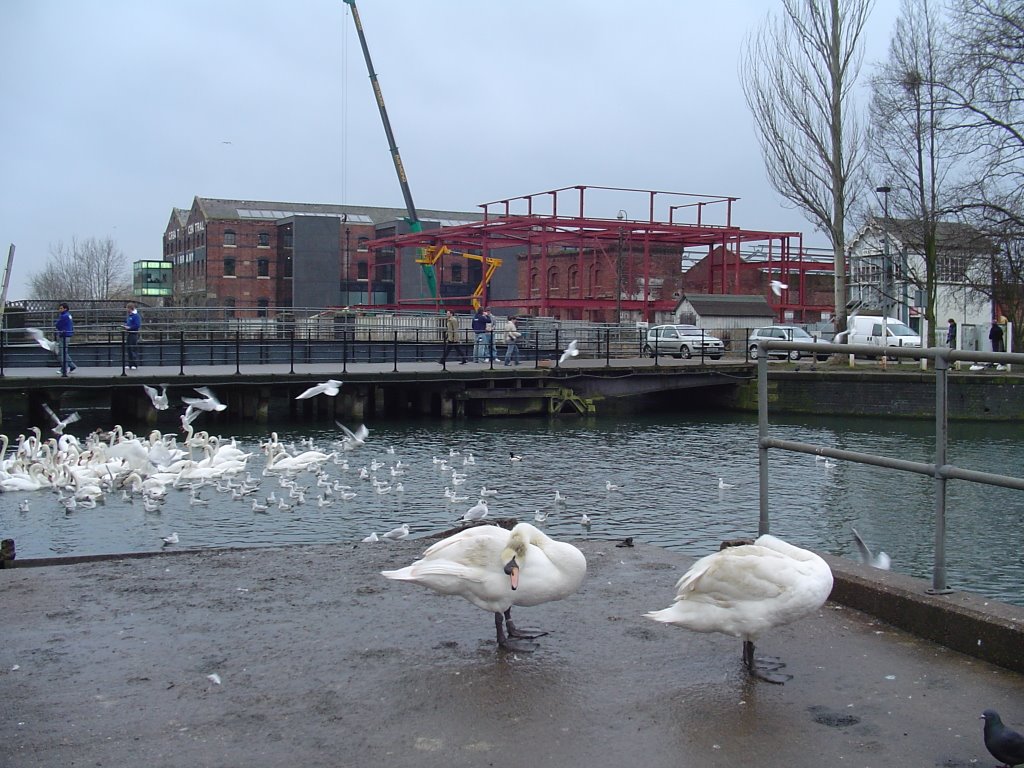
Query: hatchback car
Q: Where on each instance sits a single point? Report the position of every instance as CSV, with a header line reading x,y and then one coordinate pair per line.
x,y
682,341
782,333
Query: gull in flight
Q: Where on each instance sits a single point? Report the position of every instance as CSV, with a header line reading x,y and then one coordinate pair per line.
x,y
159,399
329,388
208,401
881,561
571,351
58,423
41,340
353,440
778,287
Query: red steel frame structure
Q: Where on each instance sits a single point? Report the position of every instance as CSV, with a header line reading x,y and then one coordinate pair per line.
x,y
535,225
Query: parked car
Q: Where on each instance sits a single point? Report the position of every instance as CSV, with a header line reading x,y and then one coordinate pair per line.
x,y
782,333
682,341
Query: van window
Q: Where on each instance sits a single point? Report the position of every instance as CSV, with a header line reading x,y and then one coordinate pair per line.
x,y
876,329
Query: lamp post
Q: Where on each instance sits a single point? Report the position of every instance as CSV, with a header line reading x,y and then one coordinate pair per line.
x,y
886,262
618,271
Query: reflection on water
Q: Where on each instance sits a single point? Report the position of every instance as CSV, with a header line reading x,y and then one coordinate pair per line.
x,y
668,468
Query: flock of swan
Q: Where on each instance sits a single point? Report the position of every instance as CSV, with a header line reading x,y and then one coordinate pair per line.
x,y
742,590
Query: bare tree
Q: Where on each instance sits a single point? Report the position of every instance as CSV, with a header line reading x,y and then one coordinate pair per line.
x,y
798,75
90,269
913,146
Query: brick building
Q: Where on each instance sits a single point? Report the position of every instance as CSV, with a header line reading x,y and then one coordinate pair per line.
x,y
255,257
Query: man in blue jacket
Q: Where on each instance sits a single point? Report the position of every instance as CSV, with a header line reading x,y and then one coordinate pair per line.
x,y
481,351
65,327
132,324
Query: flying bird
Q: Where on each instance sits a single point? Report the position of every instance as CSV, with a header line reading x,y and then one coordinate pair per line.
x,y
208,401
571,351
158,399
881,561
1003,743
353,440
59,423
778,287
329,388
39,338
746,589
495,569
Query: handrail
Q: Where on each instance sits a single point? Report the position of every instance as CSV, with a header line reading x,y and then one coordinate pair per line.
x,y
939,470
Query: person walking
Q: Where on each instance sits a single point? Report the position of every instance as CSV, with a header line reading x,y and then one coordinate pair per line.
x,y
951,334
132,324
512,336
479,326
451,339
65,327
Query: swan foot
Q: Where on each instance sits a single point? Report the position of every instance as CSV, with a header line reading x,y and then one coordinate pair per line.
x,y
764,668
512,642
513,631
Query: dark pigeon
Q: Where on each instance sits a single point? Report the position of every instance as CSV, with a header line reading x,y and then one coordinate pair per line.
x,y
1004,744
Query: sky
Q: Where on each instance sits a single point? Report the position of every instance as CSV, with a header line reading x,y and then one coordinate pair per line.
x,y
116,111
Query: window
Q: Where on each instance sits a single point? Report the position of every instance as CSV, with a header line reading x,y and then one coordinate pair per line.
x,y
229,267
229,237
361,243
287,238
456,273
534,277
263,267
362,270
263,240
574,276
553,278
261,307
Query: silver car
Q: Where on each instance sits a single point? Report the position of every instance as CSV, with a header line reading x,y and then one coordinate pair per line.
x,y
682,341
782,333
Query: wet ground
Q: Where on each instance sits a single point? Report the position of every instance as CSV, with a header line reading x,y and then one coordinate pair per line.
x,y
322,662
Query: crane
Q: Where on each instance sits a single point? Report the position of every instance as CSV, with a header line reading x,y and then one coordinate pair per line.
x,y
412,217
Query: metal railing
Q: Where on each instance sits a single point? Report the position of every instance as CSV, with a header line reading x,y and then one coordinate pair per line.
x,y
939,470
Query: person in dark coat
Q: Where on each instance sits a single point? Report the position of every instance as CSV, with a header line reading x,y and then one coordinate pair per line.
x,y
65,327
132,324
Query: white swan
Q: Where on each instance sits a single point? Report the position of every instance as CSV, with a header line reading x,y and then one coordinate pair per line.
x,y
745,590
494,569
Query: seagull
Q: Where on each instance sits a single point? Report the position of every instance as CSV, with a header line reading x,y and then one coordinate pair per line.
x,y
514,456
214,678
540,516
41,340
58,423
208,401
881,561
353,440
372,538
723,486
477,512
172,539
559,498
1003,743
585,521
609,486
745,589
159,399
398,533
571,351
778,287
23,505
329,388
485,491
258,507
190,415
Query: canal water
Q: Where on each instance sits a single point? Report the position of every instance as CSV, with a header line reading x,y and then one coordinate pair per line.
x,y
667,468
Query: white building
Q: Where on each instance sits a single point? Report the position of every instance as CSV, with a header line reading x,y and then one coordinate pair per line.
x,y
896,244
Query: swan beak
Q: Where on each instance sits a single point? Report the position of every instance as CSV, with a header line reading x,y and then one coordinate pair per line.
x,y
512,569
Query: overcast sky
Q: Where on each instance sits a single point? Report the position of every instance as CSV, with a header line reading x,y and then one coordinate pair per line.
x,y
117,110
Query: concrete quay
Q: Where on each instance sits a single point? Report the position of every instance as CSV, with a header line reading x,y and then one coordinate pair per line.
x,y
322,662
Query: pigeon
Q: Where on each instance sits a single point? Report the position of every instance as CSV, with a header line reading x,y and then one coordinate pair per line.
x,y
41,340
172,539
395,534
208,401
571,351
159,399
329,388
353,440
1004,744
881,561
58,423
778,287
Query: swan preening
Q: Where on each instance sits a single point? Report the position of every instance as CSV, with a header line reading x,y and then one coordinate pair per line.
x,y
495,569
746,590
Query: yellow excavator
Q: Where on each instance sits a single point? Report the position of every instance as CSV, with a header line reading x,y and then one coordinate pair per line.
x,y
432,254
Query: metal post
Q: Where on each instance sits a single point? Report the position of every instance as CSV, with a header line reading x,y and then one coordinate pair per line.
x,y
181,353
3,354
291,351
344,351
557,347
238,351
123,348
394,348
763,523
941,439
607,347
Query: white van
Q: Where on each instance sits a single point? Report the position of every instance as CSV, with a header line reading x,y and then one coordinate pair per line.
x,y
867,329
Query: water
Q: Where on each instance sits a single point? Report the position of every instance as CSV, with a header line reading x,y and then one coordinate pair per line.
x,y
668,468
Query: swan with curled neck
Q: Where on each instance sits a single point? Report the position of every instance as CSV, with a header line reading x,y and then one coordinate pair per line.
x,y
495,569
